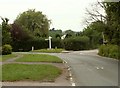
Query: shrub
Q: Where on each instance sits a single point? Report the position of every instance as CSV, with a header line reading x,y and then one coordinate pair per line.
x,y
76,43
6,49
38,43
109,51
56,43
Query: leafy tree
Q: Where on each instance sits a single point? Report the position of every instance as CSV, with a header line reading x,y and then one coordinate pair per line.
x,y
55,33
112,31
94,32
6,35
18,34
69,33
111,19
34,21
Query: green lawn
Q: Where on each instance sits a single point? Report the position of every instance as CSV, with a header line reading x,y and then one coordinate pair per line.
x,y
49,50
6,57
39,58
17,72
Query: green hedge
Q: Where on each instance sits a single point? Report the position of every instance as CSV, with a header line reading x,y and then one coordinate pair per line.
x,y
27,45
56,43
109,51
76,43
72,43
38,43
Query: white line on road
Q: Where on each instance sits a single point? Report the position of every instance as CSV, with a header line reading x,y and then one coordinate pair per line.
x,y
70,74
97,68
102,67
73,84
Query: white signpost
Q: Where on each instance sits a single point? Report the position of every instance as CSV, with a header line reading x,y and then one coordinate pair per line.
x,y
49,41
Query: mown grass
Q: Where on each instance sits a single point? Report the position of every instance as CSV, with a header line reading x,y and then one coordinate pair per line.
x,y
39,58
19,72
49,50
6,57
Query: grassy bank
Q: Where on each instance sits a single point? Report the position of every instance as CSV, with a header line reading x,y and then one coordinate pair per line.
x,y
17,72
6,57
49,50
39,58
109,51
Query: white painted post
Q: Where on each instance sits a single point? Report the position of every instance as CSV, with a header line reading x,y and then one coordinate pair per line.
x,y
32,48
50,42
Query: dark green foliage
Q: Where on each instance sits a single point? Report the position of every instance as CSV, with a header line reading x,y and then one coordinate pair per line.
x,y
38,43
70,33
34,21
6,35
18,34
6,49
56,43
112,32
55,33
94,32
76,43
109,51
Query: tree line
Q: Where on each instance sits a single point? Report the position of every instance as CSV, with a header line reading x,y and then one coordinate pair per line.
x,y
32,27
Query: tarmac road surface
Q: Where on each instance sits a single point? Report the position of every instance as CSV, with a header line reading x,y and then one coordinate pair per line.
x,y
89,69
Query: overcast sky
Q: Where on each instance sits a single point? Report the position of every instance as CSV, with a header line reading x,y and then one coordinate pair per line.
x,y
64,14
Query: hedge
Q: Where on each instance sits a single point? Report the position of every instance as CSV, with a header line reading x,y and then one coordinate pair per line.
x,y
27,45
109,51
38,43
72,43
76,43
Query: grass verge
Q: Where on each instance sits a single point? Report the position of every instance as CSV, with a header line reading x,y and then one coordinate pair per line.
x,y
49,50
18,72
6,57
39,58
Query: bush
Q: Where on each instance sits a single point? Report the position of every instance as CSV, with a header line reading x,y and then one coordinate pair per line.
x,y
76,43
56,43
6,49
109,51
38,43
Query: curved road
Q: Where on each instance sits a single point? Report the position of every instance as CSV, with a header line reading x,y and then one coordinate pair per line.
x,y
89,69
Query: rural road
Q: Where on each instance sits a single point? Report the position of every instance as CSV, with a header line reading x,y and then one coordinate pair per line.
x,y
89,69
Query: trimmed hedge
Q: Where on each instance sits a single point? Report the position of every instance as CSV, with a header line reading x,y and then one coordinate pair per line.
x,y
56,43
76,43
72,43
109,51
27,45
6,49
38,43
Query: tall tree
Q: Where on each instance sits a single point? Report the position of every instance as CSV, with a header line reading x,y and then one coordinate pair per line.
x,y
112,31
6,35
34,21
111,20
18,34
94,32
